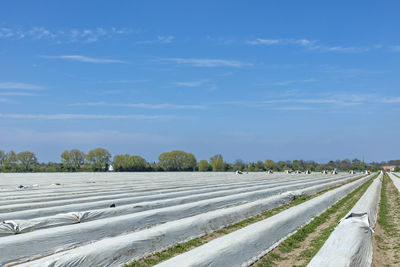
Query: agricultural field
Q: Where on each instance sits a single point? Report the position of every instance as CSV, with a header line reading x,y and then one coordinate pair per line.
x,y
199,219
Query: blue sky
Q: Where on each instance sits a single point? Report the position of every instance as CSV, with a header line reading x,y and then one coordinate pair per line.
x,y
249,79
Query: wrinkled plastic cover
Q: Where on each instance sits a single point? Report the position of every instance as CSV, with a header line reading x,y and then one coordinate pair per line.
x,y
122,248
396,180
245,246
8,227
350,244
27,210
47,241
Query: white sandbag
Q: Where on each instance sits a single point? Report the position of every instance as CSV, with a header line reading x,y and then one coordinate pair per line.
x,y
160,215
245,246
123,248
350,244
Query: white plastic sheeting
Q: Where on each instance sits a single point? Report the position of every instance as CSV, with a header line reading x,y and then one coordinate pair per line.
x,y
245,246
396,180
120,249
12,212
21,226
350,244
118,190
118,200
48,241
144,196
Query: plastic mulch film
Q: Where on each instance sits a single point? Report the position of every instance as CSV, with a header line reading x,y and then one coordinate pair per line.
x,y
122,248
16,226
245,246
350,244
396,180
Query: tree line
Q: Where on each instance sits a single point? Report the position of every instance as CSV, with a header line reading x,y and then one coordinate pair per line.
x,y
100,159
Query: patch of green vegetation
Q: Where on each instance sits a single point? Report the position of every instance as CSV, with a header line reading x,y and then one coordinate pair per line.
x,y
183,247
294,241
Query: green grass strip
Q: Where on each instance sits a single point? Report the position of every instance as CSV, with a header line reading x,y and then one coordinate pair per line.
x,y
294,241
184,247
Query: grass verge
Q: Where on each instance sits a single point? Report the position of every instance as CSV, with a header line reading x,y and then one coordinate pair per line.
x,y
184,247
386,240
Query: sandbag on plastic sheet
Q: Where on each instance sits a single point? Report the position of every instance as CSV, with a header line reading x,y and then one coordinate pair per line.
x,y
350,244
396,180
123,248
150,217
160,200
245,246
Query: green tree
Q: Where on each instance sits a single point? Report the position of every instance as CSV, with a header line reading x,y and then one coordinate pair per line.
x,y
2,158
217,163
66,160
204,166
72,160
363,166
238,165
177,160
10,161
397,169
77,158
269,164
98,159
138,163
121,163
27,160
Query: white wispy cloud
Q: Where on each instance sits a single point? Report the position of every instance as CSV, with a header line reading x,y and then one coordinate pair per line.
x,y
206,62
16,94
347,71
344,49
288,82
6,100
139,105
64,35
159,40
82,116
312,45
19,86
394,48
335,100
301,42
220,40
391,99
291,108
190,84
124,81
81,58
331,102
